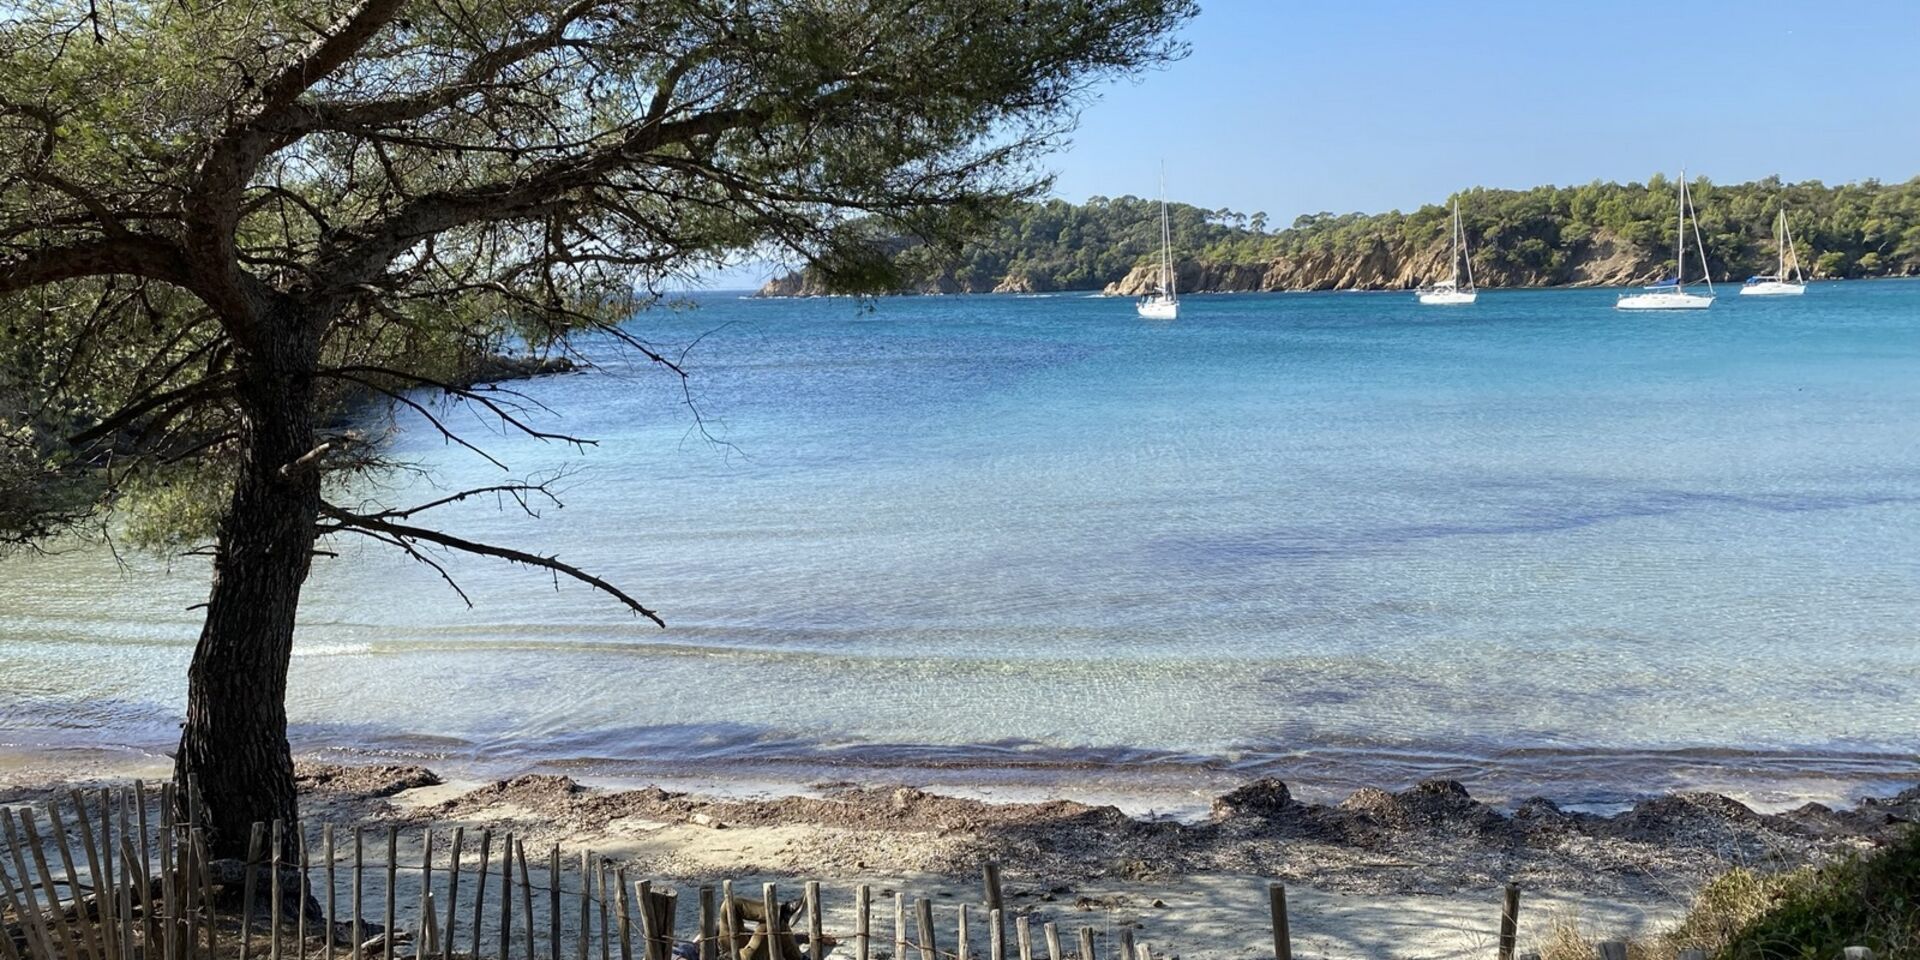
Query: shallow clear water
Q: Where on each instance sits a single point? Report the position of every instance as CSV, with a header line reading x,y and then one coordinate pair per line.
x,y
1534,543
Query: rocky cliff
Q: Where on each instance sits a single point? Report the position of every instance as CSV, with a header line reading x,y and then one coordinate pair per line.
x,y
1390,265
1382,264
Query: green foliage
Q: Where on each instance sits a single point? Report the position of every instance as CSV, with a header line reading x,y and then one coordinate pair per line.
x,y
1815,912
1524,236
377,194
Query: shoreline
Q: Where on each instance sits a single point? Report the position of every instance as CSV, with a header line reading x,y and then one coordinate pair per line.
x,y
1423,864
1177,787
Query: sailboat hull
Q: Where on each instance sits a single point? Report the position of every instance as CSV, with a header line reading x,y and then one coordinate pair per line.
x,y
1773,288
1663,301
1448,298
1159,309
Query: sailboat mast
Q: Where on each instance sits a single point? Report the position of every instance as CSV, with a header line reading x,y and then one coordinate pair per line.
x,y
1780,243
1166,240
1680,247
1700,243
1454,263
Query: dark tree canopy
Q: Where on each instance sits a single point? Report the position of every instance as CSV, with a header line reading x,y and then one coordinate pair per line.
x,y
220,221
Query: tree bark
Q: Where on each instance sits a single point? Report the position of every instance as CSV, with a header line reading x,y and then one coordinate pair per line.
x,y
234,741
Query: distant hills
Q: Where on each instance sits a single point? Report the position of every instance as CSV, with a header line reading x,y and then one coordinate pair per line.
x,y
1594,234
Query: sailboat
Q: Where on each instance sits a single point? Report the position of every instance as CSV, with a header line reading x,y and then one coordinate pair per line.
x,y
1450,292
1164,302
1778,283
1672,294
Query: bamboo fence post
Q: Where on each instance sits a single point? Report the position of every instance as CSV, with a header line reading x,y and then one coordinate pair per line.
x,y
104,925
333,899
899,925
1023,937
996,900
995,950
1086,944
65,845
961,945
506,898
816,928
586,905
770,902
526,899
1146,952
1613,950
273,888
923,925
606,910
127,876
649,924
862,923
54,914
358,891
480,892
169,890
12,902
190,883
39,857
255,838
553,901
1282,933
128,870
393,874
1509,921
300,891
708,927
453,892
669,914
624,919
1126,941
427,932
729,920
1856,953
110,887
1051,931
206,892
147,927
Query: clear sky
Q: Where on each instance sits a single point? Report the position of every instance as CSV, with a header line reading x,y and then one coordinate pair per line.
x,y
1370,105
1299,106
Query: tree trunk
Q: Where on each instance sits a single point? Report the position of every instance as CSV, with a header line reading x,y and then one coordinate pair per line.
x,y
234,741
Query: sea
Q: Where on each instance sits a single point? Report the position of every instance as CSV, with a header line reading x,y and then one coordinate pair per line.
x,y
1036,546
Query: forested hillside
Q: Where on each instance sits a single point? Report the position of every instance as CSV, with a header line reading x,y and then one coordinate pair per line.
x,y
1597,233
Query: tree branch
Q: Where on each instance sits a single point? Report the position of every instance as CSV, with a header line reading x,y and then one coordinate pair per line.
x,y
128,255
409,534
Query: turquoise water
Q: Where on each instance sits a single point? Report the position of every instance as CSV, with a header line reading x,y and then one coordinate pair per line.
x,y
1536,543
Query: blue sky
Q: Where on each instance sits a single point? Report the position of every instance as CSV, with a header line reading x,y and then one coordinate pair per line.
x,y
1301,106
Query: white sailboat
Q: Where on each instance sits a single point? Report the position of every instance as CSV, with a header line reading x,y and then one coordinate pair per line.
x,y
1781,283
1672,294
1449,292
1164,302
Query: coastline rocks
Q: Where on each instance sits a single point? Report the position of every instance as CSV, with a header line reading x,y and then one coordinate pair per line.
x,y
1265,798
500,368
374,781
1432,805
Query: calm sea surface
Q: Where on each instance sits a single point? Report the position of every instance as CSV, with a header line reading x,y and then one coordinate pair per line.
x,y
1536,544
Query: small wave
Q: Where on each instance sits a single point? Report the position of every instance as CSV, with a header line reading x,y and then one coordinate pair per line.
x,y
333,650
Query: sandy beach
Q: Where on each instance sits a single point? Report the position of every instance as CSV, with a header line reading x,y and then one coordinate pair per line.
x,y
1412,873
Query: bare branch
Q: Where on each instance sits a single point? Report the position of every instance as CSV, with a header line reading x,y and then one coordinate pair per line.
x,y
409,534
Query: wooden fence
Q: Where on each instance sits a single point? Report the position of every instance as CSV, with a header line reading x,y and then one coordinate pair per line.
x,y
98,883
